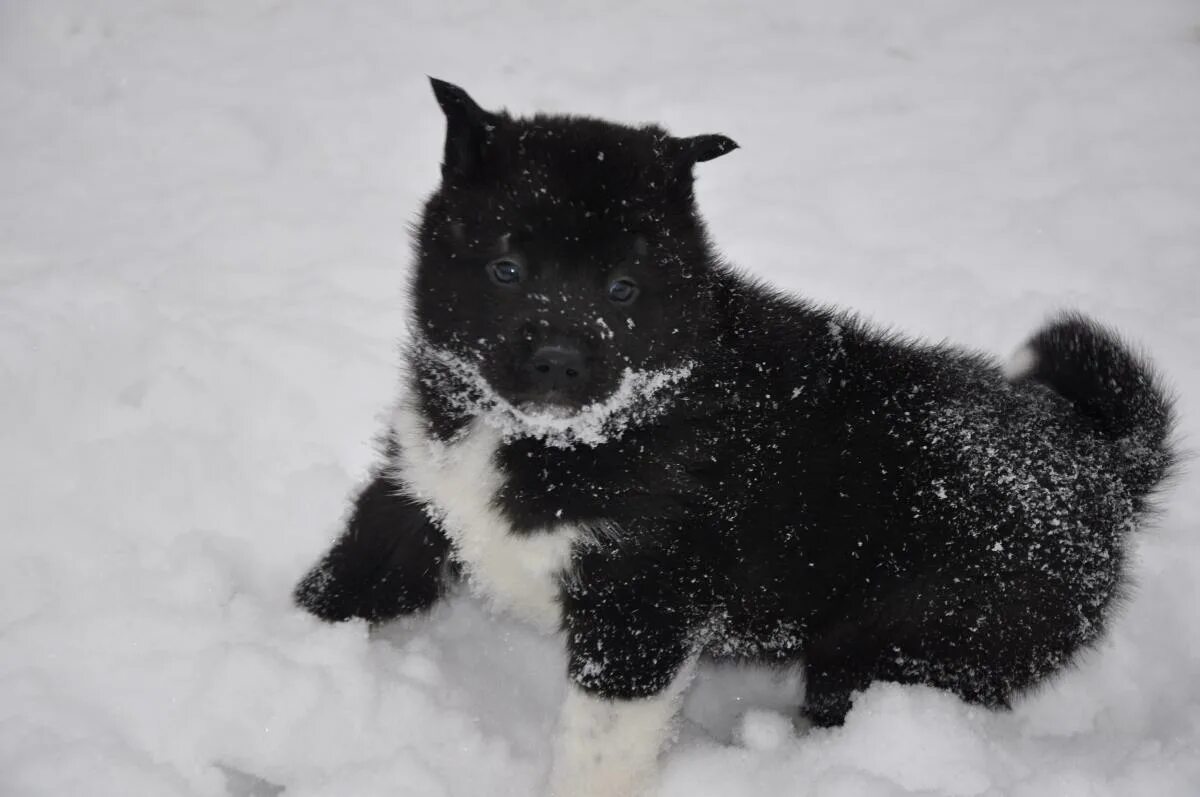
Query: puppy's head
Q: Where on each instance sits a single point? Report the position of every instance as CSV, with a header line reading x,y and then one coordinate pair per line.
x,y
562,254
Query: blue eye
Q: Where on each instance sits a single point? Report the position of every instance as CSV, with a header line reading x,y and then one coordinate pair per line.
x,y
504,271
622,291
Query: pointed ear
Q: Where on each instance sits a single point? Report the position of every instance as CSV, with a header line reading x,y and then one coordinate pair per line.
x,y
468,130
698,149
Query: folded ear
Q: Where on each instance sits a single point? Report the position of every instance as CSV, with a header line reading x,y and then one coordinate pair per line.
x,y
468,130
698,149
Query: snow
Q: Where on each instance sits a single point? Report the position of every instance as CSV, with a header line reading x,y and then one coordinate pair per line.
x,y
202,259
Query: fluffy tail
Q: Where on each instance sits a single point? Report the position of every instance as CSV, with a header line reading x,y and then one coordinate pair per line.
x,y
1113,388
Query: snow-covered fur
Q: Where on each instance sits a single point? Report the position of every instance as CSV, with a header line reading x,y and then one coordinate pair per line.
x,y
611,432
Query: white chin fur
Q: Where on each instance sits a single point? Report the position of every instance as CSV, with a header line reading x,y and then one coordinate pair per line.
x,y
641,395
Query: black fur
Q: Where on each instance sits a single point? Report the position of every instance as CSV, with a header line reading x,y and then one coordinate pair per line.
x,y
390,561
814,492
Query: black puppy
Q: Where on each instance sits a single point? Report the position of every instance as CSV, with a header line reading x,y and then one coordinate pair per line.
x,y
611,433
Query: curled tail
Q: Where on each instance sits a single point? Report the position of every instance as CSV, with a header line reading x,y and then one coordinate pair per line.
x,y
1111,387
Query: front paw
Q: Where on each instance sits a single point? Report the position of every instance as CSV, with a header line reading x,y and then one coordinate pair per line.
x,y
610,747
335,593
390,561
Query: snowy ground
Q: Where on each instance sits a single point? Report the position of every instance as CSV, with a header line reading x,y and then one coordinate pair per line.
x,y
202,248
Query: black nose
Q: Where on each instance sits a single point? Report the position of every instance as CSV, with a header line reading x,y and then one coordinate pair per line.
x,y
557,367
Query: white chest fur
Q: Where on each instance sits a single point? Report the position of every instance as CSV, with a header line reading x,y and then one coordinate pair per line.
x,y
458,483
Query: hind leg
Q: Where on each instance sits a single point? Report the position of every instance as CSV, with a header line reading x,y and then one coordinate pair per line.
x,y
984,640
829,685
834,674
390,561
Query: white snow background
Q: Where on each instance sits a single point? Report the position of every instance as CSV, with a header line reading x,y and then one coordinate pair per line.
x,y
203,248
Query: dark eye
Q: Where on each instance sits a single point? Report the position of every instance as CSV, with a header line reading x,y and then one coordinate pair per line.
x,y
505,271
622,291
